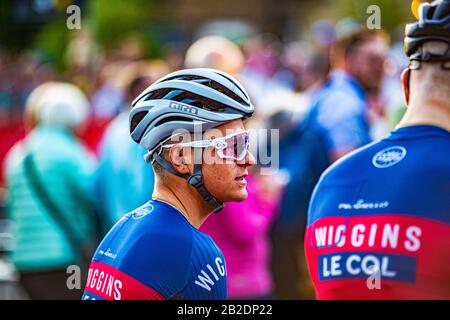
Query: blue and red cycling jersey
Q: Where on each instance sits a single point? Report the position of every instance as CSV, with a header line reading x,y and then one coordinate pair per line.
x,y
379,220
155,253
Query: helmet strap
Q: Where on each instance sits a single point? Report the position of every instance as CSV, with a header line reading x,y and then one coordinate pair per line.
x,y
196,180
423,56
166,165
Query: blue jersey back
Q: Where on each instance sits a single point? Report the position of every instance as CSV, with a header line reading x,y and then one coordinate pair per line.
x,y
387,206
410,169
155,253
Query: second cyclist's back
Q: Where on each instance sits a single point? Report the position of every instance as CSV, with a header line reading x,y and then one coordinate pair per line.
x,y
384,208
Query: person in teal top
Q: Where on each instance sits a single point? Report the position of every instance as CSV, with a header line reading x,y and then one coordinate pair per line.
x,y
42,246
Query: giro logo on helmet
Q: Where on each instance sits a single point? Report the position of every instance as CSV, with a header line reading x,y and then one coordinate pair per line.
x,y
184,108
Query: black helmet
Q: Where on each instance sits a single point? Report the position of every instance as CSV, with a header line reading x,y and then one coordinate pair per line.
x,y
433,25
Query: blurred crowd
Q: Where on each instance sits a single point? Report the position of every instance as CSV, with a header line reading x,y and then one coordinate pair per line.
x,y
69,169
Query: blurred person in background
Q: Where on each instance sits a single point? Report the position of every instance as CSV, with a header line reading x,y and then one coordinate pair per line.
x,y
109,96
341,109
215,52
263,72
120,187
24,73
379,219
392,86
83,59
314,73
303,158
5,86
48,192
107,99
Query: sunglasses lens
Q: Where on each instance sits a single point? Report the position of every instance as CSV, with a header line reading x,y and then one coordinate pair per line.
x,y
236,146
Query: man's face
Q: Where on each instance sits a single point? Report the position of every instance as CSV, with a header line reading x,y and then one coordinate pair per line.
x,y
225,179
366,63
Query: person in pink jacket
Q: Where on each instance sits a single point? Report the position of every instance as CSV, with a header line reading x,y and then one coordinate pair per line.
x,y
241,232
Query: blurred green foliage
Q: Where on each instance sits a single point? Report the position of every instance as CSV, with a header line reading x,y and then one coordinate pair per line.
x,y
394,13
22,28
151,22
51,43
112,21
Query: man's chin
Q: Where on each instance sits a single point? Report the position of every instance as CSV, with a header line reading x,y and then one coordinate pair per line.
x,y
237,197
242,195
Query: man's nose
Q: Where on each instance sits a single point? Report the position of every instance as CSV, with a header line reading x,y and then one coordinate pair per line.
x,y
249,159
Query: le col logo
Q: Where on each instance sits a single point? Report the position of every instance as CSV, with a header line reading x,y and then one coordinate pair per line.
x,y
139,213
389,157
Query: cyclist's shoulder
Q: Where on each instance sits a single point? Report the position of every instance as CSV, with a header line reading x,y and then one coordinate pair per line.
x,y
161,223
151,224
404,150
204,245
351,163
150,236
425,147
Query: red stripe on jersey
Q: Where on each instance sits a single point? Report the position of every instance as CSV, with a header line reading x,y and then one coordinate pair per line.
x,y
109,283
427,241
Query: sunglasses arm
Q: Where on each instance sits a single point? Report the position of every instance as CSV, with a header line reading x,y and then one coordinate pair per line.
x,y
192,144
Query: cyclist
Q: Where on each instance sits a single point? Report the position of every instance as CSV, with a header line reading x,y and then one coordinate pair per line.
x,y
157,251
379,219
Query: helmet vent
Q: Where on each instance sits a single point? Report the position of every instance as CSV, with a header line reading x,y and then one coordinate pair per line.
x,y
137,119
200,101
172,119
229,79
157,94
217,86
212,84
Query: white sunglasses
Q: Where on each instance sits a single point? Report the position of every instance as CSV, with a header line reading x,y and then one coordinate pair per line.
x,y
233,146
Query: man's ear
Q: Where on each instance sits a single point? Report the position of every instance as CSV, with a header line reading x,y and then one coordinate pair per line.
x,y
178,158
405,83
